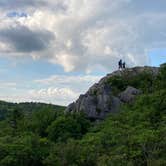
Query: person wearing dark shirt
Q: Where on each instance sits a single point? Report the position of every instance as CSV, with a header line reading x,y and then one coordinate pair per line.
x,y
124,65
120,64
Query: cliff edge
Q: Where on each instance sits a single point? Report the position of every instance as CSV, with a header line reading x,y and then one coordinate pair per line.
x,y
114,89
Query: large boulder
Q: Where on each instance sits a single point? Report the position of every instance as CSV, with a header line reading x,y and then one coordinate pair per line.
x,y
129,94
96,103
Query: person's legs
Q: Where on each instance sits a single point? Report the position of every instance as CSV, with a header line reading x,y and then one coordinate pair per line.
x,y
121,66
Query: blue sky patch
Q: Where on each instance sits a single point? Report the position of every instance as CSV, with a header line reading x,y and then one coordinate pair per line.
x,y
157,57
16,14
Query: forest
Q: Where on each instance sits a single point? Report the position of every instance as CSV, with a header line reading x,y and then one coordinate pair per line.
x,y
36,134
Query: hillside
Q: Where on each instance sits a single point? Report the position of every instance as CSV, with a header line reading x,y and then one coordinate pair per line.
x,y
27,108
120,121
116,88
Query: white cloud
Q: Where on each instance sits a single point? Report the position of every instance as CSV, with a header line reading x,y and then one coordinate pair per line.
x,y
68,61
62,88
77,83
9,85
69,79
54,95
56,89
93,34
59,96
4,47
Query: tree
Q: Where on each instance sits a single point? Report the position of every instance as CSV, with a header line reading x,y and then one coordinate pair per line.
x,y
68,126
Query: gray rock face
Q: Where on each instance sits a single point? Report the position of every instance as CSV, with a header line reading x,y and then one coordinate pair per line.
x,y
96,103
99,101
129,94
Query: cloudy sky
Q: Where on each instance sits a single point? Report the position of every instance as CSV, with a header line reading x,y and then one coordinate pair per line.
x,y
53,50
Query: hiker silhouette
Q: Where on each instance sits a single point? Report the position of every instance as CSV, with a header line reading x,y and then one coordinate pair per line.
x,y
124,65
120,64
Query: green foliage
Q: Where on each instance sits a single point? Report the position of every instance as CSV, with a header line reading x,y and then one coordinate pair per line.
x,y
42,135
26,108
64,154
136,137
14,116
68,126
143,81
161,81
41,120
25,150
118,84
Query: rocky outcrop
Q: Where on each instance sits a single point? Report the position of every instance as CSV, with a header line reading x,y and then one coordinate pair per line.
x,y
129,94
96,103
131,72
99,100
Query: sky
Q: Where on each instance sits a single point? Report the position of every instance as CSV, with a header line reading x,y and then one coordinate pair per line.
x,y
53,50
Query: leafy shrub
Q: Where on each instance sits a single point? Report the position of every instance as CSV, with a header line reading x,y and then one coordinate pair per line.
x,y
27,150
143,81
68,126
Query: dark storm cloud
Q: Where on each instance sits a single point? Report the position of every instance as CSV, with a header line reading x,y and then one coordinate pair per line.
x,y
26,40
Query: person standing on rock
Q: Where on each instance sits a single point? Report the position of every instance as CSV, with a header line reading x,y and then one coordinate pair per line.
x,y
120,64
124,65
